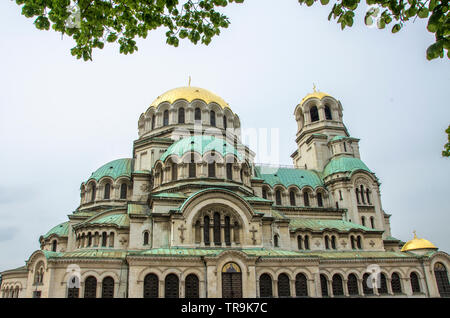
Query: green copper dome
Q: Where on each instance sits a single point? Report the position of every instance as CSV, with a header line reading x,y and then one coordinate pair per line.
x,y
59,230
201,145
289,176
344,164
113,169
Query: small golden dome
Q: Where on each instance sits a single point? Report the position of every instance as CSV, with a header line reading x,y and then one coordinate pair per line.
x,y
189,93
318,95
417,244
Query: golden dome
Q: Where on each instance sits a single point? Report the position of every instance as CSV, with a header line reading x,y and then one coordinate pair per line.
x,y
417,244
318,95
189,93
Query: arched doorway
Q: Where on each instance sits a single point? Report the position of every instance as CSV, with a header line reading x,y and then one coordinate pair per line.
x,y
440,272
231,281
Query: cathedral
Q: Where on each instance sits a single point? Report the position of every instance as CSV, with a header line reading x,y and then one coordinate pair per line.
x,y
191,215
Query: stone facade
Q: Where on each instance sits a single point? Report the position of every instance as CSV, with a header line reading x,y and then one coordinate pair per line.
x,y
191,215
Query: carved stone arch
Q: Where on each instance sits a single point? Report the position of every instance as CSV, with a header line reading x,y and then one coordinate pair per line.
x,y
304,271
186,158
286,271
327,274
171,159
268,271
34,259
216,108
213,156
144,272
192,271
90,272
309,103
113,275
236,122
180,103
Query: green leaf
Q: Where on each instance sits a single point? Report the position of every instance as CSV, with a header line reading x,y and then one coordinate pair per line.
x,y
324,2
423,13
396,28
368,20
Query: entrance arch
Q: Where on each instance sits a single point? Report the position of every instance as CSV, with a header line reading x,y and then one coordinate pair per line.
x,y
231,281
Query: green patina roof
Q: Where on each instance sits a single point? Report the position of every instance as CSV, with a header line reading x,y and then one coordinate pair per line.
x,y
114,169
59,230
338,138
201,145
344,164
92,253
320,225
120,220
170,195
289,176
253,198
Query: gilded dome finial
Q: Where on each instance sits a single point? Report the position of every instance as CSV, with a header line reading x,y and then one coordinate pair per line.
x,y
415,236
189,80
314,87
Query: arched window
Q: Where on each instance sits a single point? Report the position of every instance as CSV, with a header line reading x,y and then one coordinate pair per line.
x,y
328,113
192,168
224,122
39,273
107,193
108,287
314,114
174,172
90,287
327,243
352,241
206,230
236,232
368,196
171,286
299,242
278,197
358,242
284,288
229,171
89,239
227,231
264,193
306,198
396,284
166,118
366,289
338,289
123,191
415,285
181,115
324,285
212,118
275,240
265,286
306,242
146,236
217,239
111,239
363,221
319,199
151,286
357,195
372,222
104,239
212,170
54,245
362,194
383,285
292,197
301,285
93,192
73,287
198,114
191,286
345,146
333,242
153,122
352,285
440,273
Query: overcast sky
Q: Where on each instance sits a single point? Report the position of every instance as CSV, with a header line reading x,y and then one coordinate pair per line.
x,y
62,118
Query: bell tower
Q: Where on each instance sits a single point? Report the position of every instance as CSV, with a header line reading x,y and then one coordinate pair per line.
x,y
319,120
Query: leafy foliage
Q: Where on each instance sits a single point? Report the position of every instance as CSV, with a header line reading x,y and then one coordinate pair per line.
x,y
398,12
446,151
92,23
